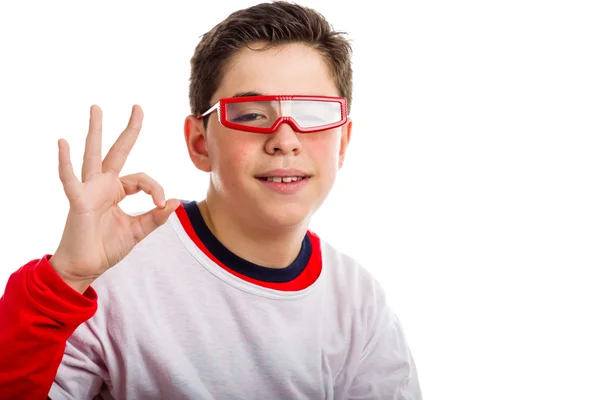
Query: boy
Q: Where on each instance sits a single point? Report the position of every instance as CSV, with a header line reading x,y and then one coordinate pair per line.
x,y
232,297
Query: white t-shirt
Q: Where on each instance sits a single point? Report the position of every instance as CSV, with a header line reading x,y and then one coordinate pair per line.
x,y
177,321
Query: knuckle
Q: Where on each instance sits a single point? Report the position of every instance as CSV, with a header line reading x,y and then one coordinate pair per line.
x,y
122,152
126,181
152,184
112,170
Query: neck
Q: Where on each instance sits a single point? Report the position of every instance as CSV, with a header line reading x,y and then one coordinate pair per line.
x,y
248,239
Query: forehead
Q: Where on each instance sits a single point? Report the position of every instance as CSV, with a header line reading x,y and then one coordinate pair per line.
x,y
285,69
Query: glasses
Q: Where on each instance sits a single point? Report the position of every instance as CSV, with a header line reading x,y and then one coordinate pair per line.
x,y
264,114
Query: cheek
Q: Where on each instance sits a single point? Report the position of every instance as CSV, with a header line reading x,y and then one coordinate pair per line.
x,y
230,158
326,153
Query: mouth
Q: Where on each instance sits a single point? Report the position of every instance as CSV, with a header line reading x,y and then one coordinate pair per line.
x,y
285,181
282,179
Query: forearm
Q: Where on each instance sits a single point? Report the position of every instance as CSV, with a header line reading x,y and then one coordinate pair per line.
x,y
38,313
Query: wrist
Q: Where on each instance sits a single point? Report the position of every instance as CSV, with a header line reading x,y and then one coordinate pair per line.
x,y
79,284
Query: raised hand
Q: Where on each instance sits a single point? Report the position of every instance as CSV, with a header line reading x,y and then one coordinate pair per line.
x,y
98,234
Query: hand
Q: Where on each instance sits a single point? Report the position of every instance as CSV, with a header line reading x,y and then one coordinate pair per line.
x,y
98,234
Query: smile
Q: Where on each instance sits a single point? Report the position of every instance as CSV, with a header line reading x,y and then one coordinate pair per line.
x,y
279,179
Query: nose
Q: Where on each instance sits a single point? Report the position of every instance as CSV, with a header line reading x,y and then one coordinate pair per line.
x,y
284,141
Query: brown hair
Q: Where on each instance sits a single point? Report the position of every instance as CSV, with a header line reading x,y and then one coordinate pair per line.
x,y
275,23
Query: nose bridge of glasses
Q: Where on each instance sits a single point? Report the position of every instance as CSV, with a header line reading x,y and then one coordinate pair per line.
x,y
285,108
285,120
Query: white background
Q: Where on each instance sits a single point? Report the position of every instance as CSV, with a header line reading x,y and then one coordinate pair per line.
x,y
471,188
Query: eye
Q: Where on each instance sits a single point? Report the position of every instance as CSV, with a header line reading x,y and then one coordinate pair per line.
x,y
248,117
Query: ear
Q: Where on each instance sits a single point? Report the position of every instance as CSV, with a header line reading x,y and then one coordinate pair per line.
x,y
345,140
195,138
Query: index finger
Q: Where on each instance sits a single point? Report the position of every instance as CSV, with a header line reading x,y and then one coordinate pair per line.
x,y
118,153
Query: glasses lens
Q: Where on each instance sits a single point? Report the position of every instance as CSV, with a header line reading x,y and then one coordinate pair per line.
x,y
313,114
260,114
263,114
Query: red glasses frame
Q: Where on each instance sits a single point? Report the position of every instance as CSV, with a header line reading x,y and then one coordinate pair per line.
x,y
221,106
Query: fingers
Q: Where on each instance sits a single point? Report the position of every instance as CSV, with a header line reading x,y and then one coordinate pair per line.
x,y
65,169
134,183
118,153
148,222
92,158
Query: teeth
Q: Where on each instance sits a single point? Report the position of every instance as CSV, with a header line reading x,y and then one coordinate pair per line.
x,y
287,179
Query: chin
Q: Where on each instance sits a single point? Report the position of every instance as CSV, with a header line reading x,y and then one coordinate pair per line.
x,y
285,216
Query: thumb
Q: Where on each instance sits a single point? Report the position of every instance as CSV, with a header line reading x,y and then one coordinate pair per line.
x,y
154,218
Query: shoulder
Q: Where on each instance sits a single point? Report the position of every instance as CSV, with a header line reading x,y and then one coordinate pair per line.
x,y
352,277
345,266
358,292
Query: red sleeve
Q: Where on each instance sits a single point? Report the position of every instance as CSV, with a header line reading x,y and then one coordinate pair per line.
x,y
38,313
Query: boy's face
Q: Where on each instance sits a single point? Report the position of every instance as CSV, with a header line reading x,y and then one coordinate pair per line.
x,y
238,161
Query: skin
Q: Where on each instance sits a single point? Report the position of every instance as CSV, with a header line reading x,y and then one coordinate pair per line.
x,y
241,212
245,216
97,233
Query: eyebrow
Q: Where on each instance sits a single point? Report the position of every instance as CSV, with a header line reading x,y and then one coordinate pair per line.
x,y
246,94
